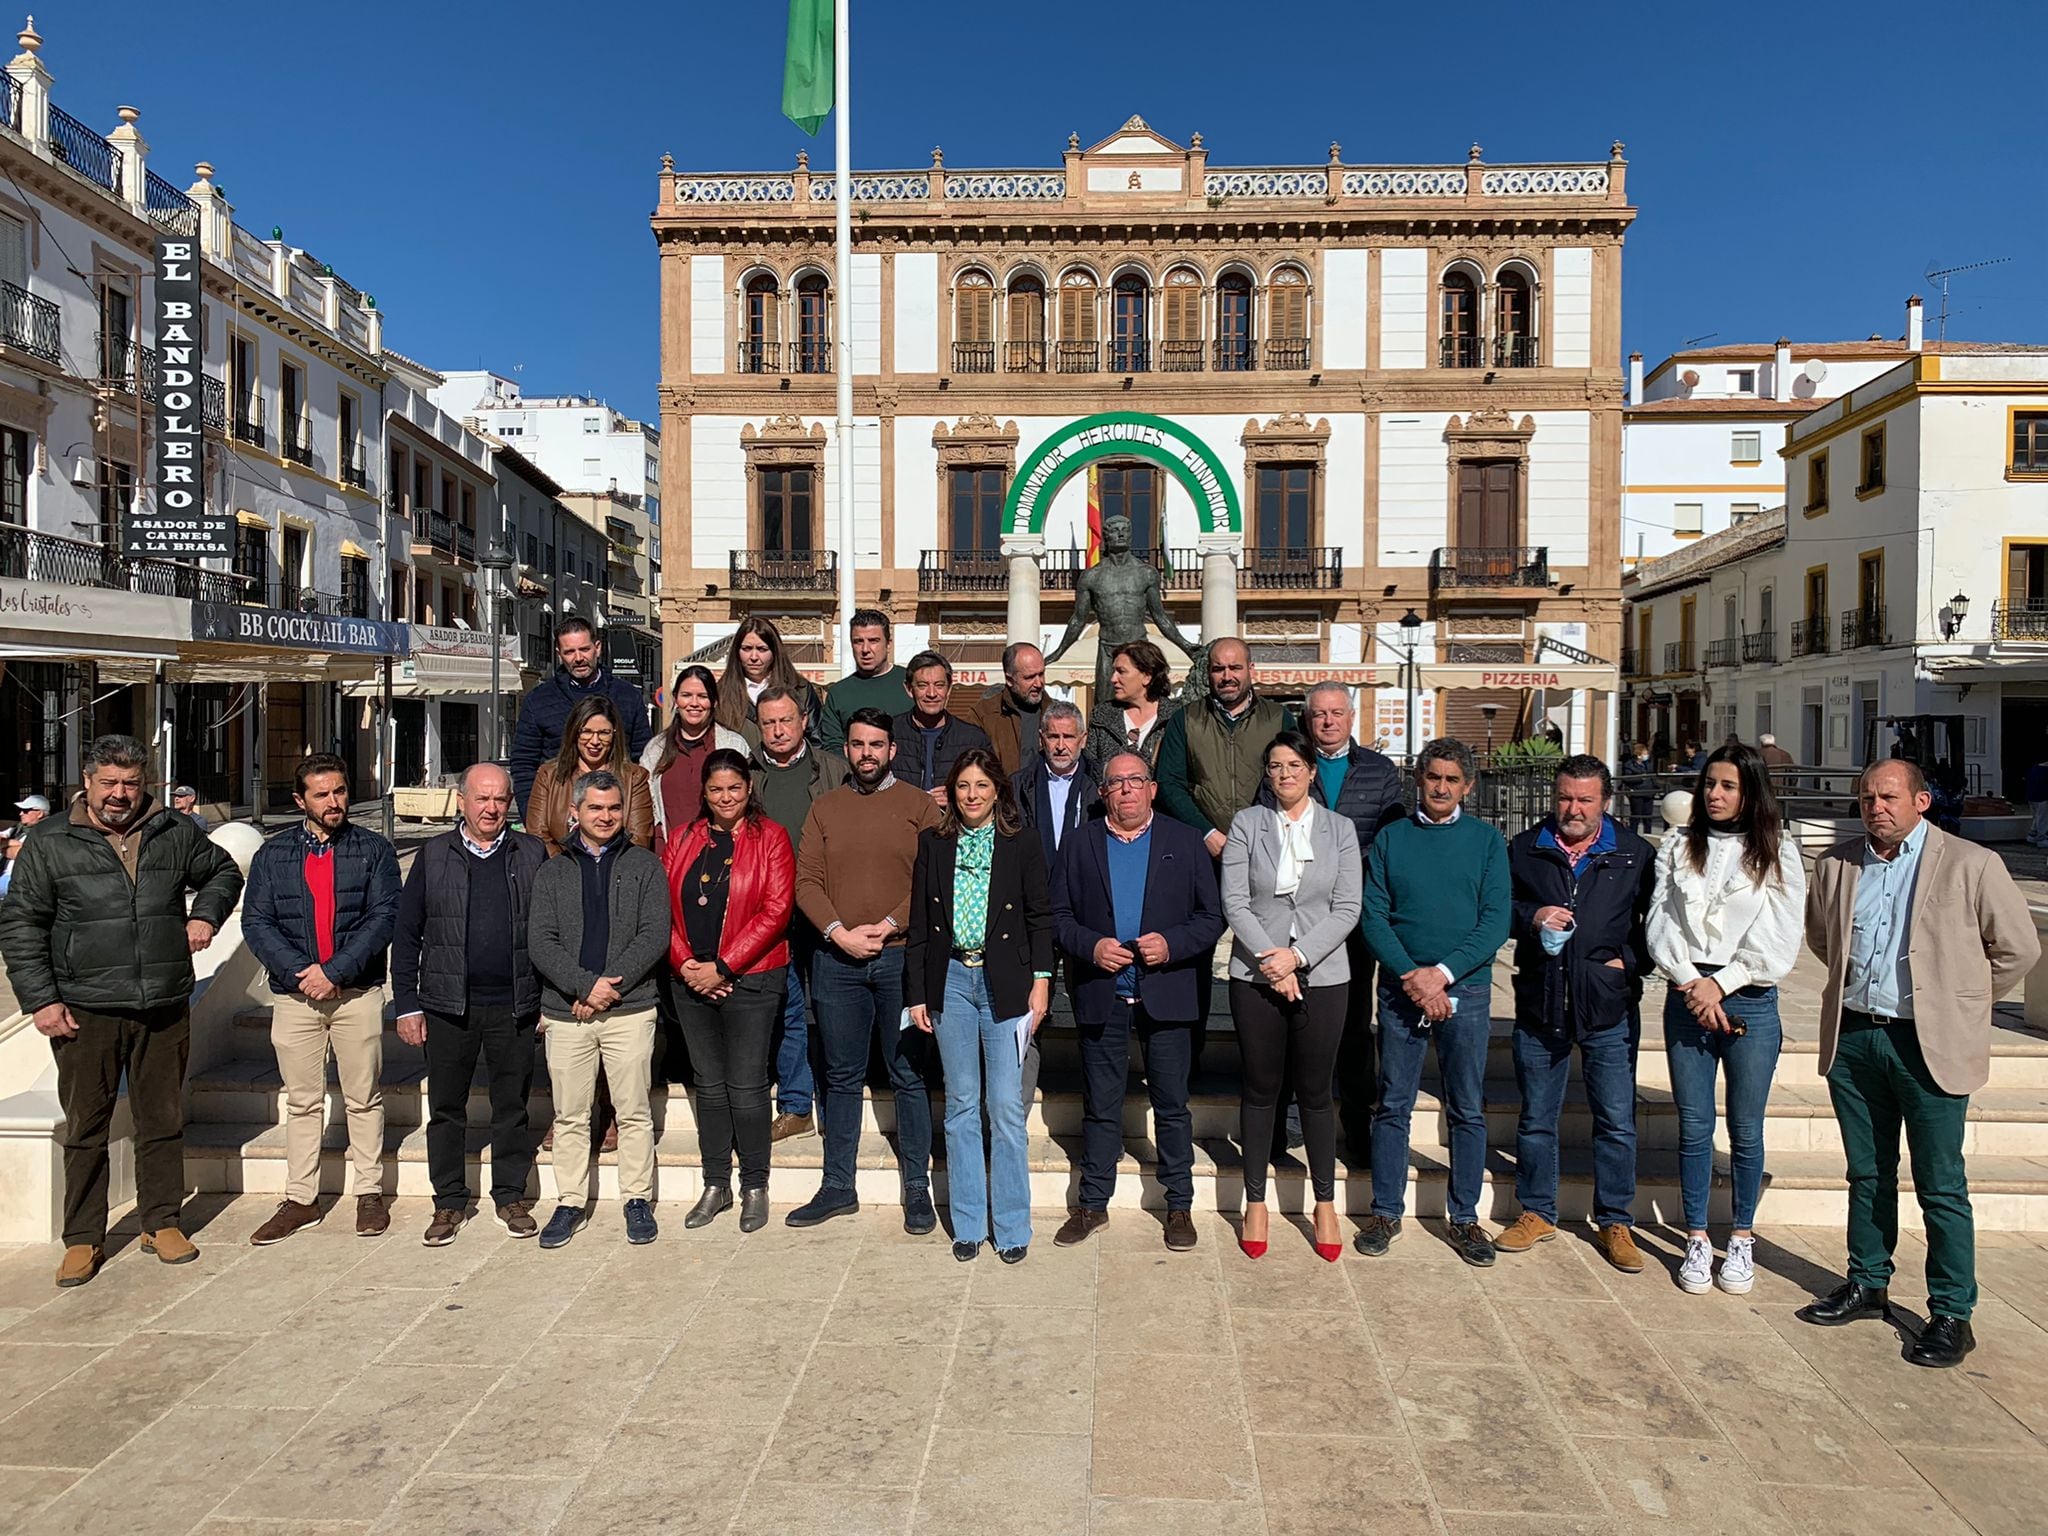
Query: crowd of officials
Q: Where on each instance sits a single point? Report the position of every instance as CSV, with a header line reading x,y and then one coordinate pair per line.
x,y
777,884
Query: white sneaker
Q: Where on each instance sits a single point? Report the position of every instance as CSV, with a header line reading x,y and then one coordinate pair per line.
x,y
1696,1274
1738,1270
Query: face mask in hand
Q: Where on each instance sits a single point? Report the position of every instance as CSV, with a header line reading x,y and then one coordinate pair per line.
x,y
1554,939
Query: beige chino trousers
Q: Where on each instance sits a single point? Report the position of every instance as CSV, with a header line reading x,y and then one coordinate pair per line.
x,y
302,1031
623,1039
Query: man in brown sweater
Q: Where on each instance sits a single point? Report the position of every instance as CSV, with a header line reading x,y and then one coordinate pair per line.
x,y
853,883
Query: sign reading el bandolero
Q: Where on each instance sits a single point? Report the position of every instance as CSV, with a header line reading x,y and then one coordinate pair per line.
x,y
175,519
227,624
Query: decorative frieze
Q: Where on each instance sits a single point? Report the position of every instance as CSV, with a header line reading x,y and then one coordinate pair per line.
x,y
1007,187
1267,183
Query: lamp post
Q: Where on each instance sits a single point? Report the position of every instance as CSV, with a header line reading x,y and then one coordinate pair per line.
x,y
1411,627
1489,710
1958,610
496,560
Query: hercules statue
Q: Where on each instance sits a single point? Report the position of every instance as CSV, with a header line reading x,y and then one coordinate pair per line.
x,y
1119,593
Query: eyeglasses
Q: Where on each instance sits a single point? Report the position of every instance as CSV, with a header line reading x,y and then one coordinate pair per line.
x,y
1285,770
1128,781
596,735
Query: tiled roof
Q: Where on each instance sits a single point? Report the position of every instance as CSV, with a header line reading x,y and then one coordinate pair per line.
x,y
1698,560
1876,346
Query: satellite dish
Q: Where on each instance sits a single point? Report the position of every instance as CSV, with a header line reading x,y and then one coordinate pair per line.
x,y
1815,370
1690,379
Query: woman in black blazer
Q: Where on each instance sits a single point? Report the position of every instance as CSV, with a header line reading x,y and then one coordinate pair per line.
x,y
979,960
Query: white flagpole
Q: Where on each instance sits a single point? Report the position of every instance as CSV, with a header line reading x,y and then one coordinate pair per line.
x,y
842,137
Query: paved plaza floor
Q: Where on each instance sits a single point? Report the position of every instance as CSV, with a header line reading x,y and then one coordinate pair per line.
x,y
854,1380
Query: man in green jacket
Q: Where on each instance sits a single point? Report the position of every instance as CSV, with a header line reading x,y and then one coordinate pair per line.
x,y
1212,757
98,942
874,683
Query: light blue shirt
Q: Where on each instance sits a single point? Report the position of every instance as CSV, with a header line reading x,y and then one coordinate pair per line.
x,y
1058,788
1880,975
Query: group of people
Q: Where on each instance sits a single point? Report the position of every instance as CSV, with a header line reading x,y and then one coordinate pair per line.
x,y
788,883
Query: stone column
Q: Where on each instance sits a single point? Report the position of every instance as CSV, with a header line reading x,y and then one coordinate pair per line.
x,y
1219,586
1022,553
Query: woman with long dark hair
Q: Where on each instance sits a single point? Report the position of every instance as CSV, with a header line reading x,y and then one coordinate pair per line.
x,y
1293,888
1725,928
979,957
593,738
732,887
756,661
675,759
1133,718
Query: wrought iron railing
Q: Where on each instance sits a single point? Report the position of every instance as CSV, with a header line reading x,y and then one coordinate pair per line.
x,y
213,403
117,356
294,596
1809,637
1285,352
2023,619
1501,566
1760,648
167,207
784,570
1236,354
1678,656
974,357
760,357
354,472
432,530
1309,569
1459,352
1863,627
86,152
1516,352
1180,357
1631,666
30,324
10,101
1077,357
27,555
248,421
295,440
810,355
1724,653
962,570
1130,355
1024,356
465,542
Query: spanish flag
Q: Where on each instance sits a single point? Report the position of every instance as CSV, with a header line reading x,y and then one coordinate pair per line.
x,y
1094,516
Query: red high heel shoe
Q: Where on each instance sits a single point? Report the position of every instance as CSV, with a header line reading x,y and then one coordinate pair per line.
x,y
1252,1250
1329,1253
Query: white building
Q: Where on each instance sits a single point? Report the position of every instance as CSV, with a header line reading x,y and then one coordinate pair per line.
x,y
1910,577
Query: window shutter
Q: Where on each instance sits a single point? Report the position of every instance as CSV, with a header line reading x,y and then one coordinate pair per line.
x,y
1287,306
1183,306
973,310
1077,311
1027,312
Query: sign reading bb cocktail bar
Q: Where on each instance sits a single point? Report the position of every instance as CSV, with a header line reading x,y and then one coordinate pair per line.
x,y
174,519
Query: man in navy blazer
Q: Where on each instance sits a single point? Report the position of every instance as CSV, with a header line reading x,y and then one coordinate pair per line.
x,y
1136,909
1055,788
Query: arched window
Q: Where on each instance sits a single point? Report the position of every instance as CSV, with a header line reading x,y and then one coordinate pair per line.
x,y
1234,347
1514,320
1024,325
1130,324
813,325
1077,345
761,312
1287,319
1180,335
974,323
1458,309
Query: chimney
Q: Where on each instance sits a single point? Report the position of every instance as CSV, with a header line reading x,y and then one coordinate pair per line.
x,y
1914,332
1635,378
1781,371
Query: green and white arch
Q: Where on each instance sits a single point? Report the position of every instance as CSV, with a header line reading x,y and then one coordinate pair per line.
x,y
1121,435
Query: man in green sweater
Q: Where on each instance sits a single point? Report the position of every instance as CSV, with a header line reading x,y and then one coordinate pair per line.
x,y
1437,902
874,683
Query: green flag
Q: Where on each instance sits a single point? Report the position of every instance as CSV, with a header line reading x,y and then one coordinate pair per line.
x,y
807,69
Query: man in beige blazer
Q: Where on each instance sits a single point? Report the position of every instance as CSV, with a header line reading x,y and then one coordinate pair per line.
x,y
1920,932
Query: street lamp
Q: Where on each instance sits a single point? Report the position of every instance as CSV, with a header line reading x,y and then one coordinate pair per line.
x,y
1958,610
496,560
1411,627
1489,710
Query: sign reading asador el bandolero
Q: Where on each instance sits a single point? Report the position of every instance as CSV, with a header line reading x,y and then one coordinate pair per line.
x,y
173,520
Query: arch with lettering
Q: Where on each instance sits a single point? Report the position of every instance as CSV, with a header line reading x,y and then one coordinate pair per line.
x,y
1122,434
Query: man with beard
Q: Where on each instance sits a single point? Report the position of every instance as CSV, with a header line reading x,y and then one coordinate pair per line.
x,y
99,943
1211,760
1009,712
580,672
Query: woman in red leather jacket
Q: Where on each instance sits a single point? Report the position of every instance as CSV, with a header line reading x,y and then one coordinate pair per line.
x,y
731,885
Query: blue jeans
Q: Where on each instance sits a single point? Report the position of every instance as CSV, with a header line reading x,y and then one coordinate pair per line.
x,y
1461,1042
857,998
793,1086
982,1071
1749,1060
1543,1063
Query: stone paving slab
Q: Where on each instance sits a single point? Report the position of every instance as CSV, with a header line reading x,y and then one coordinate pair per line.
x,y
853,1379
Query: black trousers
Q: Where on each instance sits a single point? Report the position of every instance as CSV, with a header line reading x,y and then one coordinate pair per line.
x,y
1291,1043
730,1046
1358,1067
504,1039
151,1047
1105,1072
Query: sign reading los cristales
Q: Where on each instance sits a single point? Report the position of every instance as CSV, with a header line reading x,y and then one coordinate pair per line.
x,y
173,520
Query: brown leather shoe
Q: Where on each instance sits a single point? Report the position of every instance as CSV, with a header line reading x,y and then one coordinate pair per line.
x,y
170,1245
81,1262
285,1220
786,1126
611,1138
517,1218
1180,1230
1529,1230
442,1229
1618,1246
1081,1225
372,1217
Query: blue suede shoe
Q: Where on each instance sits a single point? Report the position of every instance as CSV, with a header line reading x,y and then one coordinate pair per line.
x,y
640,1227
561,1226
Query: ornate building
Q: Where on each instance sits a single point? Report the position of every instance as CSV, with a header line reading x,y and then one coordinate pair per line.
x,y
1329,397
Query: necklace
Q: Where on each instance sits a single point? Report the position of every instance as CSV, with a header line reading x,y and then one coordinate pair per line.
x,y
704,879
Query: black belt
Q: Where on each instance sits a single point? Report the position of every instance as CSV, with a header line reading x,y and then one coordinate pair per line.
x,y
971,958
1870,1020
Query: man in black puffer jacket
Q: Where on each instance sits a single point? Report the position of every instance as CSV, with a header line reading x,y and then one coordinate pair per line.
x,y
99,943
1582,889
580,671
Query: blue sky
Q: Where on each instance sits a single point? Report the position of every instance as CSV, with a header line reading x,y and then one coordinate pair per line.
x,y
487,172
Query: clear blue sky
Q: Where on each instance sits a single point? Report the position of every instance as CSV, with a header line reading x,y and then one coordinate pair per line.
x,y
487,172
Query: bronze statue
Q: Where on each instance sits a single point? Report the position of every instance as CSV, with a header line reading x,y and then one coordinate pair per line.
x,y
1119,593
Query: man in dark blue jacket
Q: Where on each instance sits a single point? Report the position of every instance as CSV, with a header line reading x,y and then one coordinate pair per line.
x,y
1136,909
545,711
1582,889
318,914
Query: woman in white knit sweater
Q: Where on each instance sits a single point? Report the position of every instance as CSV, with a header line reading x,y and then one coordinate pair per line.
x,y
1725,927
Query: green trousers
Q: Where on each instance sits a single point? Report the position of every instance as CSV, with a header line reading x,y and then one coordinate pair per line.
x,y
1880,1084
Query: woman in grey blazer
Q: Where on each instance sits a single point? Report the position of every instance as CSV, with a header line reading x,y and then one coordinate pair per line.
x,y
1292,889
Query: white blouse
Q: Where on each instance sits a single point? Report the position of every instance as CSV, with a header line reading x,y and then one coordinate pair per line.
x,y
1719,916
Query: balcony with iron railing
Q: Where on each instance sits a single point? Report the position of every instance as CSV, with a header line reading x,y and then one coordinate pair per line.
x,y
784,571
1024,356
1725,652
1284,353
86,152
1237,354
1760,648
1516,569
1077,357
2024,618
1516,351
117,371
465,543
1130,355
1308,569
1631,664
1180,357
30,324
1810,637
810,354
1678,657
355,471
962,570
760,357
295,440
1459,351
432,532
247,423
1862,627
167,207
974,357
27,555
